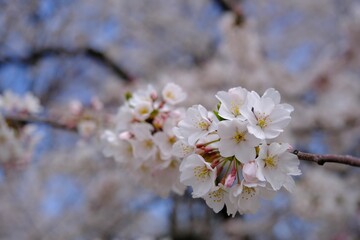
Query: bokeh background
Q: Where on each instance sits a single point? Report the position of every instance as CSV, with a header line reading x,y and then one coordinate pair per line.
x,y
62,50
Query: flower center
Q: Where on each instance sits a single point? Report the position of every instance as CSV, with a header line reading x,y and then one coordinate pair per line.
x,y
270,161
170,95
144,110
248,192
235,109
239,137
148,143
217,195
201,173
262,122
203,125
172,140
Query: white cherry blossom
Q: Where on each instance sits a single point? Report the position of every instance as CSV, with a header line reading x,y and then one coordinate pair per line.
x,y
232,102
166,139
251,172
114,146
173,94
148,94
197,124
142,110
143,144
246,199
182,149
124,118
198,174
277,165
217,198
267,119
236,140
11,102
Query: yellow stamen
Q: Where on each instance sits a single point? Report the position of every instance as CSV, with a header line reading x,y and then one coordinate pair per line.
x,y
270,161
248,192
239,137
201,173
235,109
148,143
262,122
172,140
217,195
143,110
170,95
203,125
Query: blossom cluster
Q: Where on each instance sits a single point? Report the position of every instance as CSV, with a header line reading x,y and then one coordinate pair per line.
x,y
13,103
17,142
142,138
230,156
86,118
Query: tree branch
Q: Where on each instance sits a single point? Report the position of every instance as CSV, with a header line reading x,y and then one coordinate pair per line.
x,y
235,8
35,56
22,120
321,159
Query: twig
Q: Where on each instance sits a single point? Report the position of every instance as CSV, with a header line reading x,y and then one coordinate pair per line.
x,y
321,159
235,8
22,120
37,55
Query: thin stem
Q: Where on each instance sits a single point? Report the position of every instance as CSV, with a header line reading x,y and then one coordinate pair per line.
x,y
237,172
236,9
321,159
208,143
34,119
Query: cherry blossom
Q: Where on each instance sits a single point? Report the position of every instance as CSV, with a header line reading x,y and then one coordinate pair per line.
x,y
142,138
227,160
236,140
198,174
232,102
267,118
173,94
277,165
198,123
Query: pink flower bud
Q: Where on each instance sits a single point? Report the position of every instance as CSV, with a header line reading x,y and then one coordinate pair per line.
x,y
76,107
96,103
230,179
249,172
125,135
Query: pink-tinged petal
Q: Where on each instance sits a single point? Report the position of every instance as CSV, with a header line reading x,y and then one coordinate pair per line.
x,y
230,179
249,172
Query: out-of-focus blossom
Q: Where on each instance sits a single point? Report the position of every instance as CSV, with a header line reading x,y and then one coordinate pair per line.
x,y
13,103
142,138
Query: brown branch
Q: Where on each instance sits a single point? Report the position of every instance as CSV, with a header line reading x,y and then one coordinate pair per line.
x,y
321,159
18,121
37,55
235,8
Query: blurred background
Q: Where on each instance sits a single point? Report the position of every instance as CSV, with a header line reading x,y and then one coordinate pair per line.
x,y
66,50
